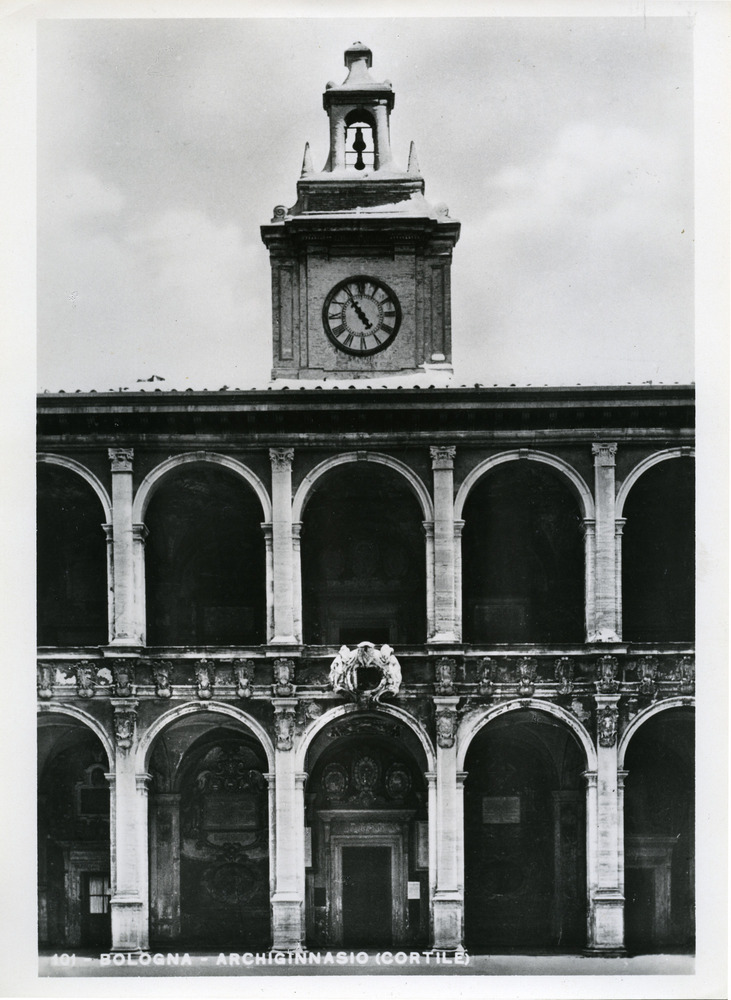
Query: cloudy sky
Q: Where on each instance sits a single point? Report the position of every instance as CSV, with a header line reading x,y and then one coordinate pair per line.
x,y
563,145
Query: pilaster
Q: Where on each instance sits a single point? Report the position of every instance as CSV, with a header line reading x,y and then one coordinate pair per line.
x,y
444,559
128,834
282,549
605,837
448,902
289,823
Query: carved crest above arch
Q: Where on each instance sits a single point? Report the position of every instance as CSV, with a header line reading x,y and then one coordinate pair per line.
x,y
345,666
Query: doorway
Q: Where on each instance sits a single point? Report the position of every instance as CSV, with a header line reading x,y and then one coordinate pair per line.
x,y
96,919
366,896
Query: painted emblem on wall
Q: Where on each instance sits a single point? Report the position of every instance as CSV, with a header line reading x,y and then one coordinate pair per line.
x,y
344,671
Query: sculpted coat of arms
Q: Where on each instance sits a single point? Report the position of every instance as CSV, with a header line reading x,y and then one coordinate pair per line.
x,y
344,671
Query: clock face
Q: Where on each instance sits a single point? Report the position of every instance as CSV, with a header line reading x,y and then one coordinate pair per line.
x,y
361,315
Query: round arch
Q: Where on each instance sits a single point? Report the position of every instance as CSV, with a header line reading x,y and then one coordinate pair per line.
x,y
342,710
211,707
642,717
579,487
86,474
472,724
642,467
306,487
153,479
88,720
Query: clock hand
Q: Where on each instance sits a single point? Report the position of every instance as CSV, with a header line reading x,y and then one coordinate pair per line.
x,y
361,315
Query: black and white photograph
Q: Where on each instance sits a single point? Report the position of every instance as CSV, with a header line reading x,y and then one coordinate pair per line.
x,y
366,526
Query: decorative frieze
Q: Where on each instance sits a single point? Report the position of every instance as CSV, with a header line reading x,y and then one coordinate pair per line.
x,y
564,673
284,726
527,670
243,672
45,676
486,676
606,679
161,677
205,673
446,727
445,674
686,674
84,671
124,678
606,724
284,686
647,675
125,721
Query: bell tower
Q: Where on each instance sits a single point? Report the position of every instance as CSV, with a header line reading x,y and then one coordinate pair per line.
x,y
361,262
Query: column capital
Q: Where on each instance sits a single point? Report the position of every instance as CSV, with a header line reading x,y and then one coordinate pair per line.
x,y
442,456
143,782
604,452
428,527
589,525
140,532
121,459
281,458
458,526
619,523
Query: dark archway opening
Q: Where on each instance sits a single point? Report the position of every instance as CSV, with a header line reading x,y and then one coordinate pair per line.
x,y
525,857
209,839
522,558
205,561
660,835
74,887
72,561
658,555
367,878
363,560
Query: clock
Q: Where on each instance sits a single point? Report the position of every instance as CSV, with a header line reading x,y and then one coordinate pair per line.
x,y
361,315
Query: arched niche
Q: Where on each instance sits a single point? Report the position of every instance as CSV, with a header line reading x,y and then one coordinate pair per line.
x,y
523,556
205,559
74,873
72,600
658,553
367,877
363,557
659,825
524,834
209,834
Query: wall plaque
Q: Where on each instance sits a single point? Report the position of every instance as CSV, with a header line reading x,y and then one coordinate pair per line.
x,y
501,809
414,890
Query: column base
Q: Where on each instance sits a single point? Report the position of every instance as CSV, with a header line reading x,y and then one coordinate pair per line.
x,y
284,640
604,952
287,929
447,913
443,637
128,931
606,923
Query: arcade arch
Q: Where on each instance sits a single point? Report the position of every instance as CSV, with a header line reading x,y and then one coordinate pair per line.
x,y
524,833
523,553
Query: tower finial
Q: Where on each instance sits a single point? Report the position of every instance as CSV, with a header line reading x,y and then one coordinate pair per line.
x,y
413,166
307,162
356,52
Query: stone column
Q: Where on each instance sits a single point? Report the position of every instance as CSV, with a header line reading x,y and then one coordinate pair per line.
x,y
589,576
458,526
618,530
127,628
282,552
289,821
142,787
605,623
429,550
448,895
604,838
129,866
444,561
297,578
381,139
